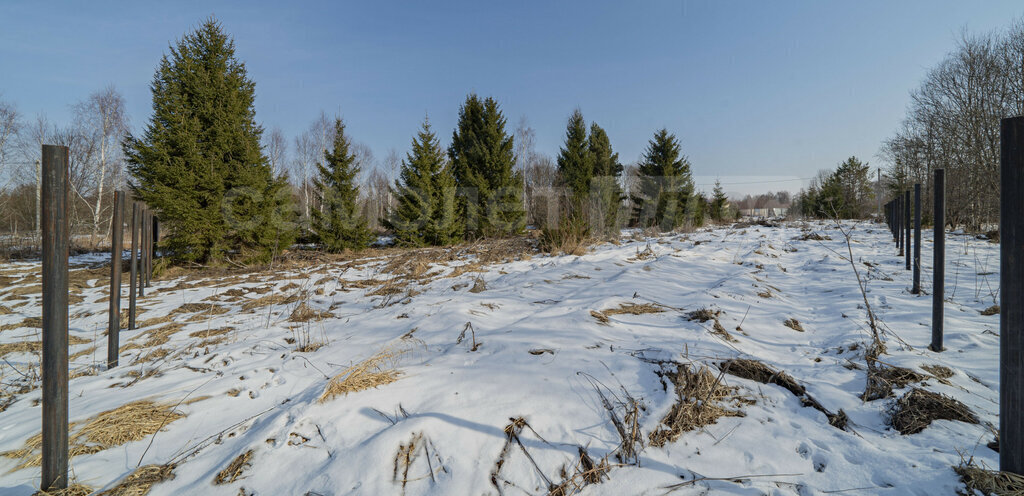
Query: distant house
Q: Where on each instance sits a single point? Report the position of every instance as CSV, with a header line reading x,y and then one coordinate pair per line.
x,y
764,213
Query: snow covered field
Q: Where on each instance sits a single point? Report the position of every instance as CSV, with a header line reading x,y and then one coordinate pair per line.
x,y
491,377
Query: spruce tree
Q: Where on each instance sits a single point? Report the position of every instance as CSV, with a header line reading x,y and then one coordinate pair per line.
x,y
482,160
575,163
665,184
199,163
605,182
426,212
719,203
338,226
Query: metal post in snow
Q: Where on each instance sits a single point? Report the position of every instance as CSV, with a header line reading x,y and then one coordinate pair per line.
x,y
54,220
134,267
938,259
917,239
906,225
1011,297
114,318
141,283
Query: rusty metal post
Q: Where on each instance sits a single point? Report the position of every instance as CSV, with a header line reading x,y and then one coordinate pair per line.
x,y
114,319
55,317
134,267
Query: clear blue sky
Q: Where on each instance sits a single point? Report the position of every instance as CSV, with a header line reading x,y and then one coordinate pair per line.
x,y
755,90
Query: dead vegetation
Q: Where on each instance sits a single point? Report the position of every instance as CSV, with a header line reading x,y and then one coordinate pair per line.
x,y
140,481
939,372
980,480
585,472
72,490
992,310
793,324
764,374
34,346
306,313
235,469
627,308
153,337
884,378
701,399
919,408
126,423
703,315
377,370
407,456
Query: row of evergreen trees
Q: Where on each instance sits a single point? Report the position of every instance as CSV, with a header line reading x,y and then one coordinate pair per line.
x,y
200,164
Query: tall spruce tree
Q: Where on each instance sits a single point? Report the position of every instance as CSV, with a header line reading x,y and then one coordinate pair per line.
x,y
426,213
665,184
575,163
482,160
605,182
719,203
199,163
338,225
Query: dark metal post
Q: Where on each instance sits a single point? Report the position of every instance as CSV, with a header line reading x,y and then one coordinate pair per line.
x,y
55,317
899,223
134,268
906,225
141,283
146,247
1011,297
917,239
938,258
114,324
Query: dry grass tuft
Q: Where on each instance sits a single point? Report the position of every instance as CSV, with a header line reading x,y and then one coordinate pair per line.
x,y
306,313
33,346
701,399
72,490
378,370
209,333
759,372
585,472
154,337
626,308
272,299
793,324
919,408
141,324
139,482
201,308
938,371
235,469
5,310
979,480
703,315
126,423
992,310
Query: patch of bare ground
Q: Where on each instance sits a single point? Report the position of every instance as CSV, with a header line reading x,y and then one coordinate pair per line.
x,y
917,409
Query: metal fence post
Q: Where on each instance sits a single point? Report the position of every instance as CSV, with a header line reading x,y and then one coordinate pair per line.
x,y
134,267
1011,297
899,224
938,259
917,239
906,225
114,319
141,283
55,317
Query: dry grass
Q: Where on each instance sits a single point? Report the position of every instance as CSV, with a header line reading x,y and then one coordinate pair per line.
x,y
585,472
154,337
703,315
235,469
306,313
992,310
82,353
126,423
33,346
626,308
938,371
989,482
72,490
701,399
919,408
209,333
140,324
378,370
759,372
793,324
272,299
139,482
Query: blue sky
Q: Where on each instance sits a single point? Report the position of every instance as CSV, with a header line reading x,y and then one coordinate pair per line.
x,y
756,91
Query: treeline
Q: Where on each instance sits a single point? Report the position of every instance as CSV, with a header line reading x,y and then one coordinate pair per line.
x,y
953,123
227,189
847,192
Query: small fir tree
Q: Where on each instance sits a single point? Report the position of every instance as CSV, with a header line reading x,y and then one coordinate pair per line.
x,y
426,210
575,163
719,203
483,163
199,162
605,186
665,184
337,224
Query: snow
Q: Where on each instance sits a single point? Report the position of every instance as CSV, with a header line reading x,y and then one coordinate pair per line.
x,y
461,400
